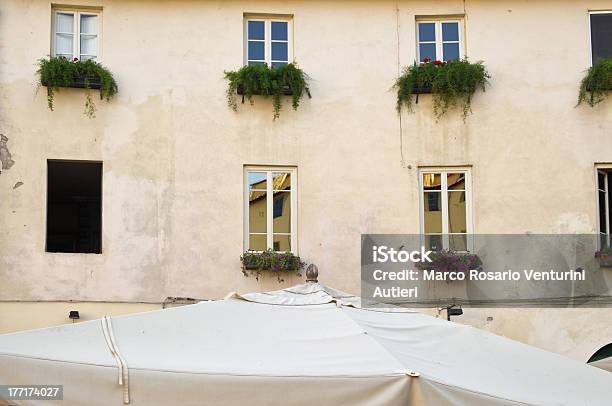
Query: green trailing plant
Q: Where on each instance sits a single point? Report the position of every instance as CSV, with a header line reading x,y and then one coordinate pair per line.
x,y
451,261
59,72
596,83
277,262
269,82
451,83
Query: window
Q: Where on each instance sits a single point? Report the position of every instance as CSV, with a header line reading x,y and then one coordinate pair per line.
x,y
270,209
268,41
439,40
76,33
601,35
74,210
446,210
604,204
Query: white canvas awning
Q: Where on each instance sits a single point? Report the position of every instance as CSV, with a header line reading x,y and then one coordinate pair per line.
x,y
307,345
605,364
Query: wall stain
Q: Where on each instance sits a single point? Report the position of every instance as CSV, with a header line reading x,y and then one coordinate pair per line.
x,y
18,184
5,154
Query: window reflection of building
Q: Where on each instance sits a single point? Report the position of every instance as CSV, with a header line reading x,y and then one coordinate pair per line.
x,y
445,210
275,198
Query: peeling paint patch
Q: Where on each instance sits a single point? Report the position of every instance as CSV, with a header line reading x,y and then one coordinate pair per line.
x,y
5,154
17,185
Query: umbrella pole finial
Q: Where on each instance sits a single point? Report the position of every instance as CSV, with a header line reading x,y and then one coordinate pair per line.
x,y
312,273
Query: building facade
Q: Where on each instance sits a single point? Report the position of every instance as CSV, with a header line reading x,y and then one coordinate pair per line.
x,y
174,172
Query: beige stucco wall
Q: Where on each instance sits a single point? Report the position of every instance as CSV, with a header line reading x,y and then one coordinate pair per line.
x,y
174,153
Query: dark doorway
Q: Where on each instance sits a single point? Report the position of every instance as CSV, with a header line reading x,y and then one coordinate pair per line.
x,y
74,210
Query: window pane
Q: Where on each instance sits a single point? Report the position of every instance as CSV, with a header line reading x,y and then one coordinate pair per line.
x,y
89,45
279,51
256,50
281,181
601,32
601,181
432,213
89,24
256,30
64,22
258,242
282,212
432,181
456,181
427,51
457,212
279,31
450,31
257,180
457,242
433,242
282,243
427,32
257,63
278,64
257,212
63,44
451,52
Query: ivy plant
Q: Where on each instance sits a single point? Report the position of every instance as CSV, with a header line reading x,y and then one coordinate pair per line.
x,y
596,83
451,83
266,81
59,72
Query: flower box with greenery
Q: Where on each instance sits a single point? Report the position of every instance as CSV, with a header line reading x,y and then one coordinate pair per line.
x,y
262,80
273,261
596,83
451,261
605,257
451,83
61,72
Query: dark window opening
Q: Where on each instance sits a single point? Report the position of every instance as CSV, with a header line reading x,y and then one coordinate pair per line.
x,y
601,35
74,210
278,206
604,197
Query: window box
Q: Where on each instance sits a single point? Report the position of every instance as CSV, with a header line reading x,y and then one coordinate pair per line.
x,y
285,90
263,80
596,83
451,261
57,72
452,83
80,82
270,261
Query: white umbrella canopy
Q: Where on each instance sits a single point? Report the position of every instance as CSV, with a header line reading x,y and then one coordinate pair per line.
x,y
300,346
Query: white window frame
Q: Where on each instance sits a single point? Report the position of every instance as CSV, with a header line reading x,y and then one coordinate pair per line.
x,y
606,169
438,31
444,203
591,31
270,206
268,20
77,12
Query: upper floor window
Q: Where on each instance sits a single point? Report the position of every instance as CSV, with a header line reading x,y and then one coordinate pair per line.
x,y
270,209
268,41
601,35
439,39
76,33
446,208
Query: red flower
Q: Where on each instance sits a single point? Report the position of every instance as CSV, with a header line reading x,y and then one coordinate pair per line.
x,y
426,59
437,62
75,60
